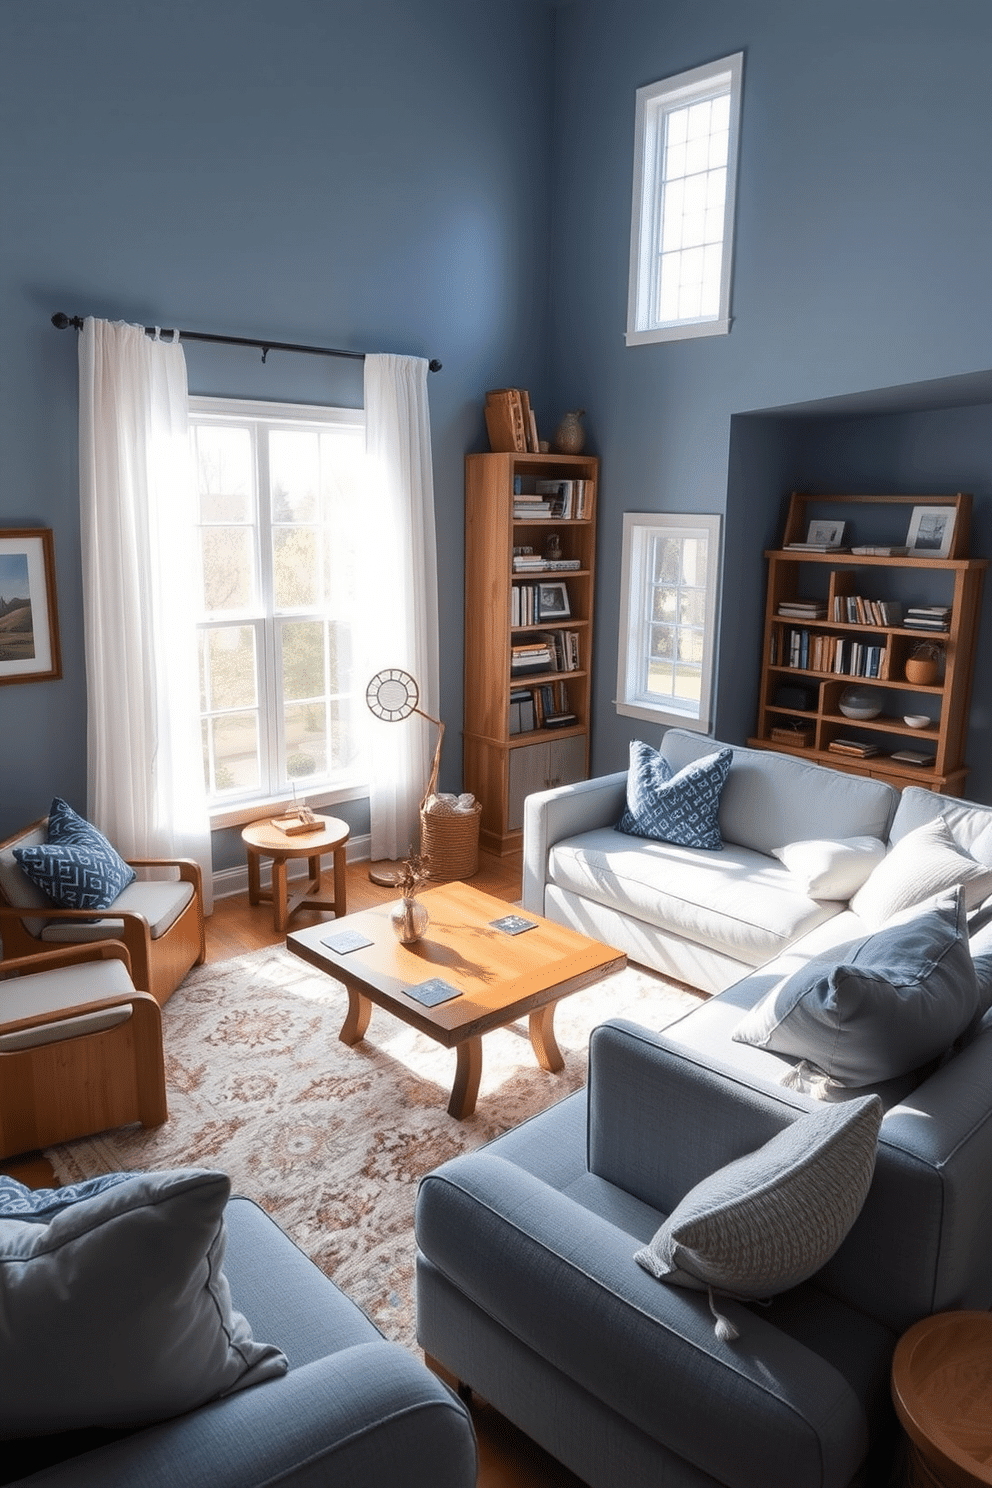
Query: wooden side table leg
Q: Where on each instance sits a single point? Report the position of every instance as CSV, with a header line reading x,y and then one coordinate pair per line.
x,y
357,1019
313,865
280,911
542,1037
468,1073
340,881
254,879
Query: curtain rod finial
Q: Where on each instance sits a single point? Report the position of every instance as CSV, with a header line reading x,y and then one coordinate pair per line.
x,y
434,365
62,322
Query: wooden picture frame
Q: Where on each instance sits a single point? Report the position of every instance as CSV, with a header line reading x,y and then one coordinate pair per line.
x,y
931,531
553,600
29,616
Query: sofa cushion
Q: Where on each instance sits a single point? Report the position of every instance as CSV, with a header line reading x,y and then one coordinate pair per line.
x,y
970,823
680,807
772,1218
116,1312
918,866
831,868
738,902
159,900
773,798
876,1008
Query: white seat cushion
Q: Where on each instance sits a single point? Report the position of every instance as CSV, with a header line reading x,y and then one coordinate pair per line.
x,y
737,901
160,900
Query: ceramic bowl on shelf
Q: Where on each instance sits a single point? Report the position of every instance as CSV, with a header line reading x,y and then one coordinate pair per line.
x,y
917,720
861,702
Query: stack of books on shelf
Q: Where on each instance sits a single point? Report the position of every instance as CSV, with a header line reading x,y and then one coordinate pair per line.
x,y
569,498
540,707
853,747
815,547
803,609
853,609
533,657
528,562
564,648
510,421
928,617
531,508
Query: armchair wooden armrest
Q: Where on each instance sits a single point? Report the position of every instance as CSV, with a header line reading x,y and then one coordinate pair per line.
x,y
94,950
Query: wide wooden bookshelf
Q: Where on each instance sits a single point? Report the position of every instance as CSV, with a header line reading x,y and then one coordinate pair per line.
x,y
509,754
822,657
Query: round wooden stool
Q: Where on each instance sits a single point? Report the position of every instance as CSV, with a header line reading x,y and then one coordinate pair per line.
x,y
942,1389
262,839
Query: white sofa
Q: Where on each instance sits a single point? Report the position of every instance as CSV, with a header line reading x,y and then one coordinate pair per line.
x,y
709,918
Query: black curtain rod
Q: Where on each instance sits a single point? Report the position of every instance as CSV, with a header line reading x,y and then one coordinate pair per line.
x,y
62,322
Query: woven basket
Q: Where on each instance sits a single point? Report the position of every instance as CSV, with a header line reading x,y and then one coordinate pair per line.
x,y
449,839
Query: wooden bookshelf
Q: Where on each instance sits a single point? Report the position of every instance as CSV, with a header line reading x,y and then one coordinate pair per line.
x,y
501,768
833,653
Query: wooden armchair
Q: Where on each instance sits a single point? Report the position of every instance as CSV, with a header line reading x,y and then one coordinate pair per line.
x,y
159,919
80,1048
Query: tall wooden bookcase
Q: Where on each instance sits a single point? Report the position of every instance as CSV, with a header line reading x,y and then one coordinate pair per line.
x,y
502,767
801,654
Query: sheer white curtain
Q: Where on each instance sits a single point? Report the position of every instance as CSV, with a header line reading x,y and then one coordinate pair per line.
x,y
403,629
145,770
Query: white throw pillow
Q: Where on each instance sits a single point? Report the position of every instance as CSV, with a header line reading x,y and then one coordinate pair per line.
x,y
828,869
771,1219
921,864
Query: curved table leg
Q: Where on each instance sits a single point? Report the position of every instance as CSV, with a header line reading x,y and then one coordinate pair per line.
x,y
357,1019
468,1073
542,1037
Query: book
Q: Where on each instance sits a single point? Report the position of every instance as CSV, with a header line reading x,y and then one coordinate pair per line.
x,y
912,757
505,420
853,747
815,547
875,551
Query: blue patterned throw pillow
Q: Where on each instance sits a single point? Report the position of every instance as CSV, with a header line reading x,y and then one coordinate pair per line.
x,y
77,867
38,1205
683,808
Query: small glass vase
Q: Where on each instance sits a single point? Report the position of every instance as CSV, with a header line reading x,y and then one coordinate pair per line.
x,y
409,920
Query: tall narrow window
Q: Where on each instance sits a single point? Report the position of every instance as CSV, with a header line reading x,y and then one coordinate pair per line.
x,y
280,493
685,168
668,617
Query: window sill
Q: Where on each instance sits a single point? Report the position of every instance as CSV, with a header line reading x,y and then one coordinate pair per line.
x,y
679,332
239,814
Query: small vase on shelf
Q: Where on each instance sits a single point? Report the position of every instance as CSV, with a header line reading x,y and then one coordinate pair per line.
x,y
570,436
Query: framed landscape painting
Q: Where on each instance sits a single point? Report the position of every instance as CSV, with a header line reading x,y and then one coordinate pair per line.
x,y
29,619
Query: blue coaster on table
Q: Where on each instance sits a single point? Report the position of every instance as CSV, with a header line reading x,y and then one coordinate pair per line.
x,y
432,992
513,924
345,941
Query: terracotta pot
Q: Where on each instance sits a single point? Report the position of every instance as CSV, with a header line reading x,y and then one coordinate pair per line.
x,y
921,671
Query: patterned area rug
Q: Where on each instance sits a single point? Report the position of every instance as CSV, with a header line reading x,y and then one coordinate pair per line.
x,y
332,1140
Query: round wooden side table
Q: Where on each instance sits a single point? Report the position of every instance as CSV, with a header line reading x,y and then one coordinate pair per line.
x,y
263,840
942,1390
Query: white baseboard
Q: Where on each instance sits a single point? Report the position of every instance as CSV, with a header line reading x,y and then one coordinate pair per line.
x,y
230,881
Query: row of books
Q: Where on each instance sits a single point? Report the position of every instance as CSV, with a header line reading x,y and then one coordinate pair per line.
x,y
540,707
854,749
856,610
558,500
534,563
815,652
554,651
532,603
510,421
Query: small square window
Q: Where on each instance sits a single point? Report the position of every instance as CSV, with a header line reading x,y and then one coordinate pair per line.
x,y
682,222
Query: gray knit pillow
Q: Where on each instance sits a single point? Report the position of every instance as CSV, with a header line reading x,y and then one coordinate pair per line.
x,y
769,1220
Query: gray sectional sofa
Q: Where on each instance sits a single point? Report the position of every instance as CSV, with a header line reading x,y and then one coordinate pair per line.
x,y
528,1289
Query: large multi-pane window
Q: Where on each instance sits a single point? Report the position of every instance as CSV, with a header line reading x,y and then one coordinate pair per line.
x,y
278,582
668,617
685,164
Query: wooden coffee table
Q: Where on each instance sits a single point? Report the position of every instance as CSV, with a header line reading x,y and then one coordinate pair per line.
x,y
496,977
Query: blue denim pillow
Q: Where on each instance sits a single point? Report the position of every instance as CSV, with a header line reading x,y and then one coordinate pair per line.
x,y
77,867
682,808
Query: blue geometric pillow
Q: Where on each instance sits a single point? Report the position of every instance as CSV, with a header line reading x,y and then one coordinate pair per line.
x,y
682,808
75,877
37,1205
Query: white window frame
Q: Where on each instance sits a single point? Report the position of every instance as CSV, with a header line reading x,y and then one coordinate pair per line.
x,y
640,529
654,103
236,808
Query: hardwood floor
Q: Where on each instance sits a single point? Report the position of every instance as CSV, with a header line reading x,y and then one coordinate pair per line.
x,y
507,1458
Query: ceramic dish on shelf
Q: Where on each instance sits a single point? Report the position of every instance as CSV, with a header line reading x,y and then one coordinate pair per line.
x,y
861,702
917,720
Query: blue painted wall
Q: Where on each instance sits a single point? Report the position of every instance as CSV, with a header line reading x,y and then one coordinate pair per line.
x,y
453,180
863,222
370,174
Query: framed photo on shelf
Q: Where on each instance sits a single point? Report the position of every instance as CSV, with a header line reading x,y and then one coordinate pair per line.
x,y
29,617
931,531
831,533
553,601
